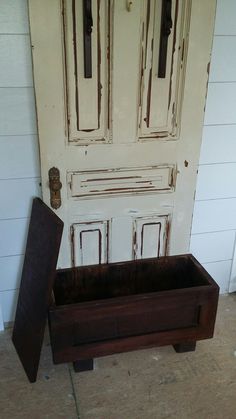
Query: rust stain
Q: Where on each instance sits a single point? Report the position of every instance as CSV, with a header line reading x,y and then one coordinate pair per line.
x,y
173,50
167,235
112,178
208,68
65,68
72,233
109,64
159,236
99,62
147,119
99,241
147,28
76,63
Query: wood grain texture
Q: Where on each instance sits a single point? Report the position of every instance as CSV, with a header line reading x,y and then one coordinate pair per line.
x,y
38,274
101,310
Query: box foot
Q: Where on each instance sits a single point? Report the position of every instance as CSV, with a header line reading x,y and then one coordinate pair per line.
x,y
83,365
184,347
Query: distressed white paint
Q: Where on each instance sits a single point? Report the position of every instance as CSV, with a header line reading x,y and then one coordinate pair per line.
x,y
217,176
83,93
121,181
18,154
125,81
150,237
90,243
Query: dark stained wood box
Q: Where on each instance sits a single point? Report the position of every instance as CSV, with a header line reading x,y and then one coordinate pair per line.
x,y
105,309
100,310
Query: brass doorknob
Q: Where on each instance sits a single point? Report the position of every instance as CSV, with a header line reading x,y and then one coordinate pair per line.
x,y
55,186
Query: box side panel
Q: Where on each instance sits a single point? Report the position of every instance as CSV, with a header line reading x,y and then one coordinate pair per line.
x,y
85,331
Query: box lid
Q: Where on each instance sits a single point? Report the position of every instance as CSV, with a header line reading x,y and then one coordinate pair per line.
x,y
38,274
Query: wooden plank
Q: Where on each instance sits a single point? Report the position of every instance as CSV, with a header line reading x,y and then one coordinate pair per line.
x,y
16,195
38,274
19,156
8,300
220,181
16,65
10,268
17,111
218,144
221,104
14,17
211,247
214,215
14,233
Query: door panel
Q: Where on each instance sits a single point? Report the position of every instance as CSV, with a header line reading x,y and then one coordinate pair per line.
x,y
161,97
125,138
88,98
90,243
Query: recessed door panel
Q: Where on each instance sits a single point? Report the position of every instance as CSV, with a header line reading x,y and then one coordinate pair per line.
x,y
120,104
90,243
87,93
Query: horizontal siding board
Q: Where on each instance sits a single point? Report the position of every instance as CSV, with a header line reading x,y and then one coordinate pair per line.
x,y
216,181
14,16
10,268
17,111
1,319
15,63
225,17
221,104
223,62
19,157
213,247
14,233
218,144
214,215
16,196
220,272
8,301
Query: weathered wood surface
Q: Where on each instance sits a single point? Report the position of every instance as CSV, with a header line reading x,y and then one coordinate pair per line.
x,y
44,237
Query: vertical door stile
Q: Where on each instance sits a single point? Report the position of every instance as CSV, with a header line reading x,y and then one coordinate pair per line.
x,y
124,135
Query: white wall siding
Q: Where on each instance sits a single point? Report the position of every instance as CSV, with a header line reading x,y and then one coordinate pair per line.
x,y
19,161
214,219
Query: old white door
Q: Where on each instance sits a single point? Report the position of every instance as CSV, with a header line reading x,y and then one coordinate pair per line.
x,y
120,93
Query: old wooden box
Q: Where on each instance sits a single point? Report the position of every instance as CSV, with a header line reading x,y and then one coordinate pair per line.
x,y
104,309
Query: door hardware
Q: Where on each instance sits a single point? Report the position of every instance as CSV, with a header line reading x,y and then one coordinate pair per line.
x,y
129,5
166,25
87,30
55,187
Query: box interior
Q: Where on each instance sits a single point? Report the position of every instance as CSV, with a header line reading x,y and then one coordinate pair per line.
x,y
97,282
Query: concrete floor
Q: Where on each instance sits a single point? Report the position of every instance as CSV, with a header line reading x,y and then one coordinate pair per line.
x,y
148,384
